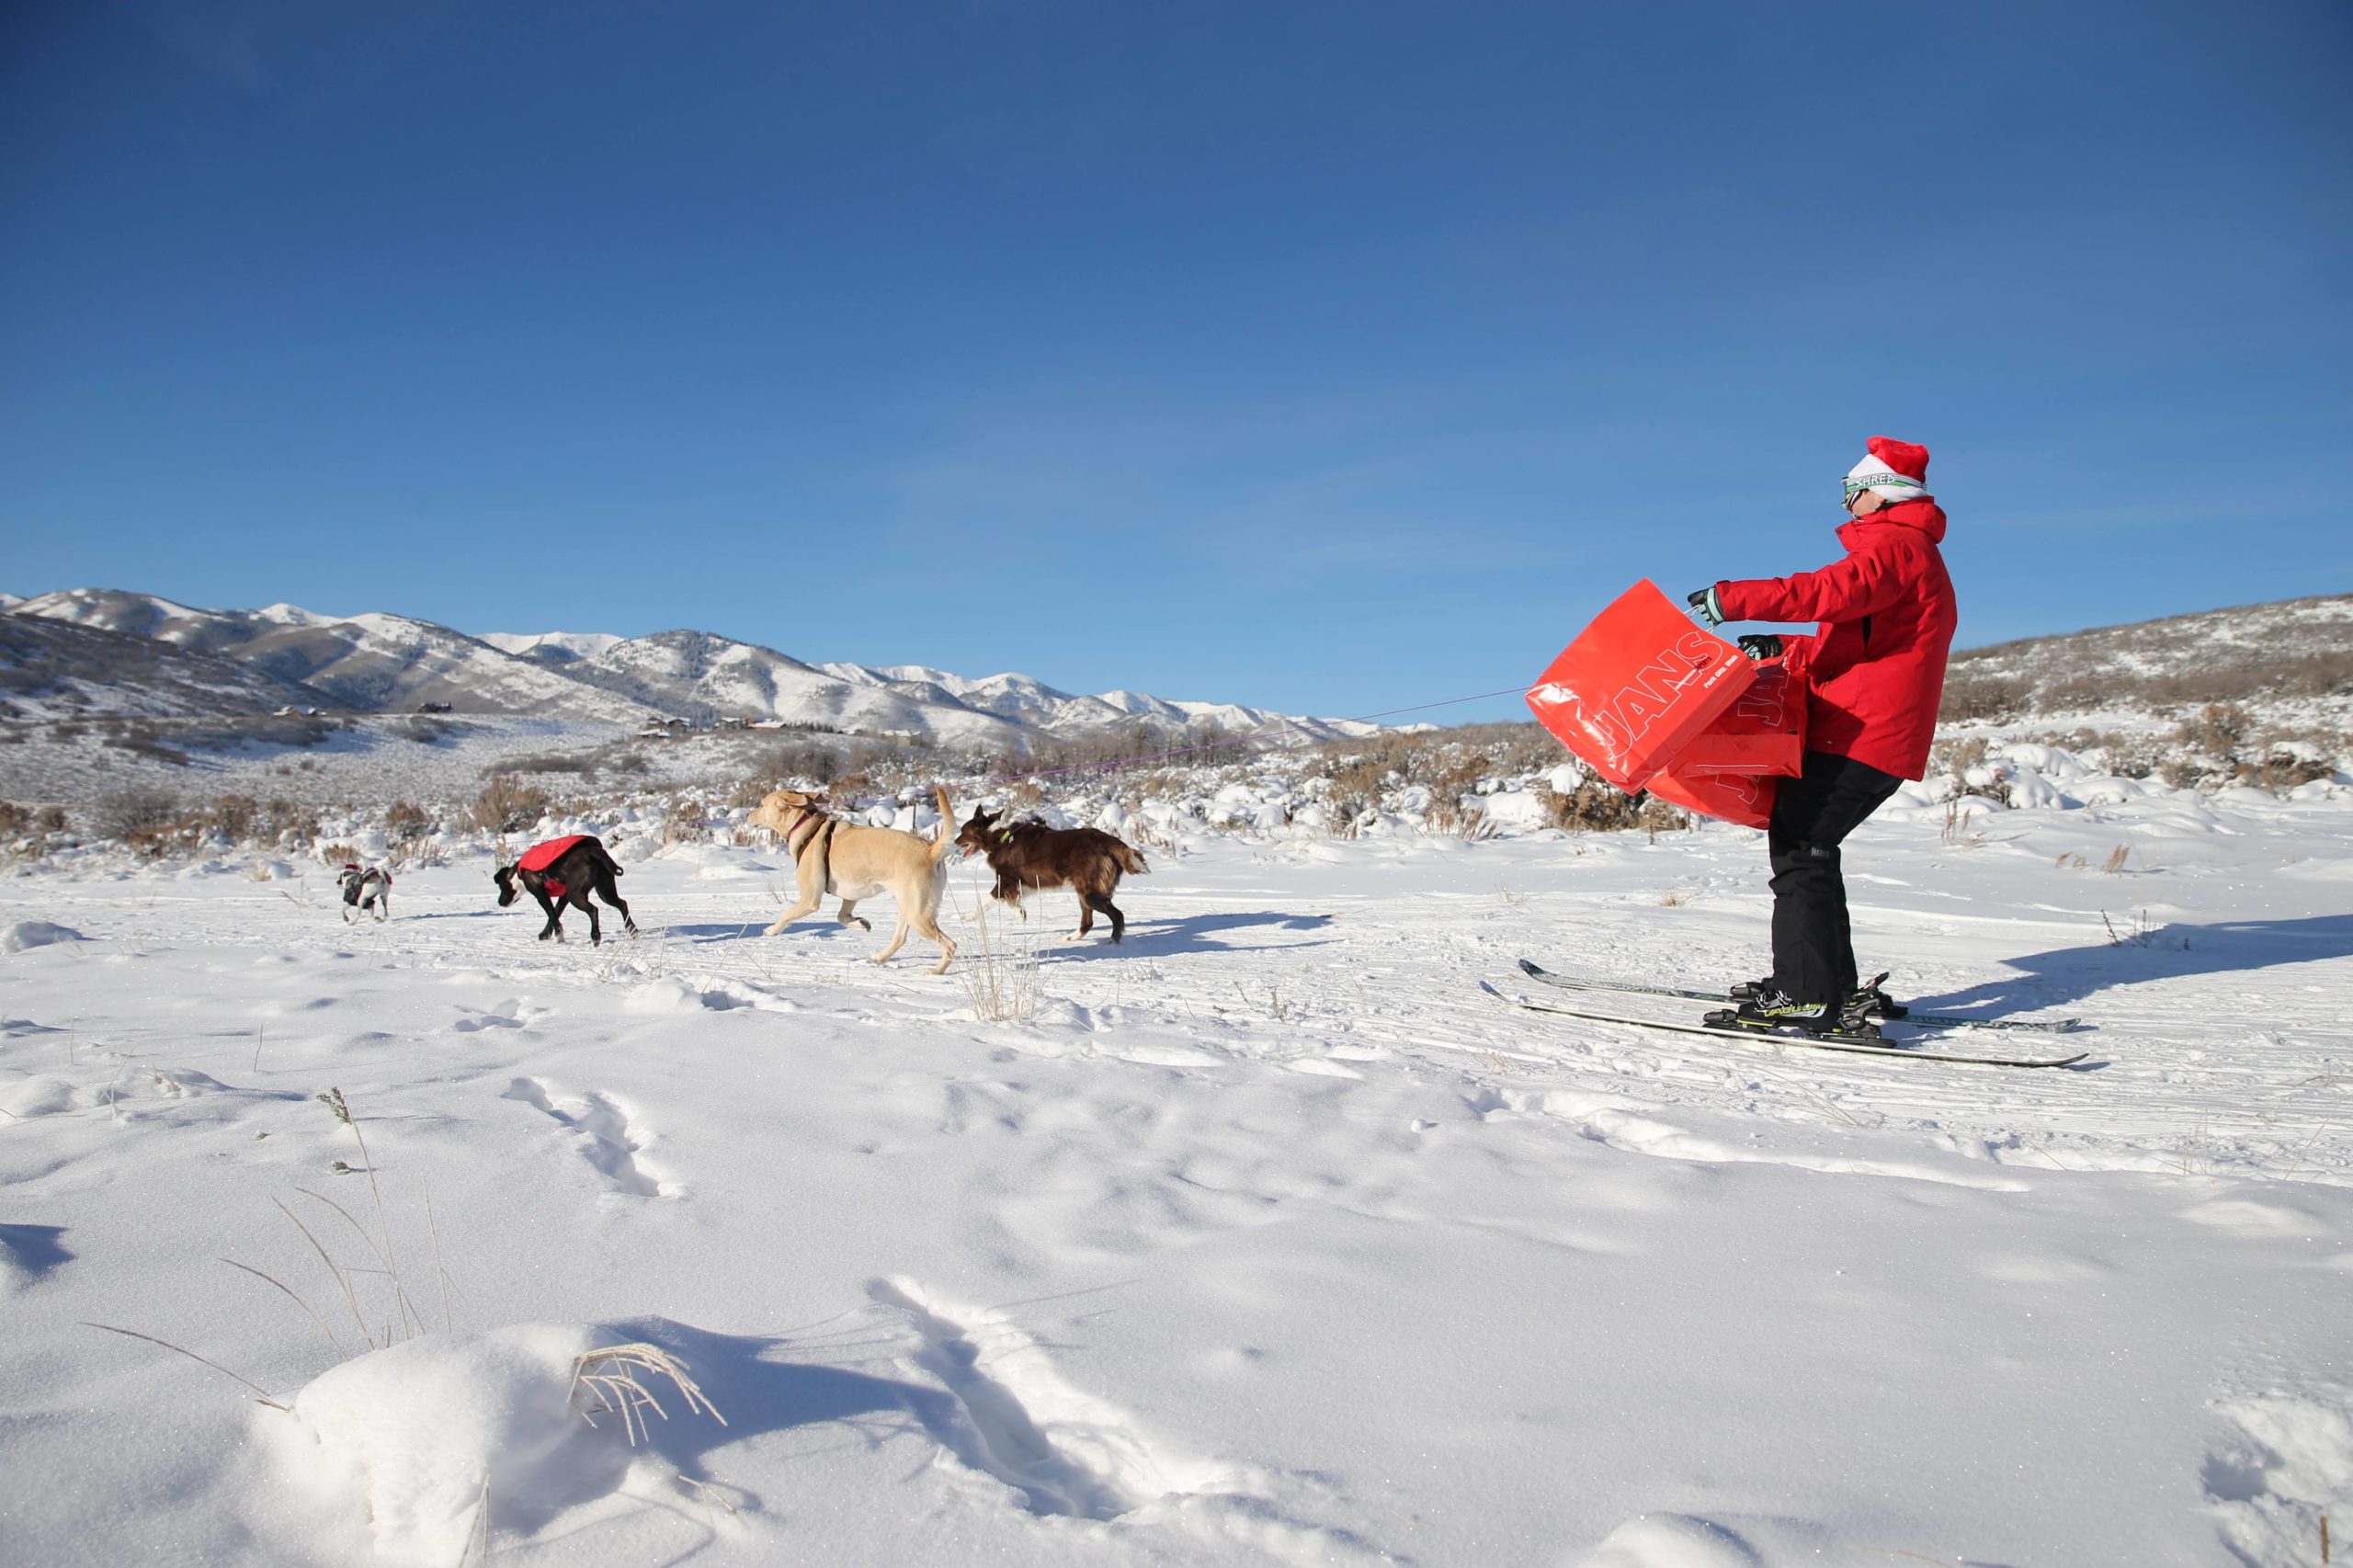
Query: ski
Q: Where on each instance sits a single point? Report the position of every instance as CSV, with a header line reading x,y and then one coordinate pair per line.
x,y
1934,1020
1790,1037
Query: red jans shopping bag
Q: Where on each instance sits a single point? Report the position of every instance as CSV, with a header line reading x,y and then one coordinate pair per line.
x,y
1762,732
1743,797
1636,684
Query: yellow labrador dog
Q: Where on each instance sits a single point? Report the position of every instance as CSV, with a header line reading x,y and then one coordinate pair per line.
x,y
856,862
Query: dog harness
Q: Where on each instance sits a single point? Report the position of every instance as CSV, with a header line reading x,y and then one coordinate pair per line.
x,y
821,841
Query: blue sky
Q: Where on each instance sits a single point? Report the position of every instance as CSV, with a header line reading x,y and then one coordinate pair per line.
x,y
1334,356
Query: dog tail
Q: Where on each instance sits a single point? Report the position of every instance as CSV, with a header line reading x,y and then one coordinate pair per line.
x,y
1130,857
604,857
945,843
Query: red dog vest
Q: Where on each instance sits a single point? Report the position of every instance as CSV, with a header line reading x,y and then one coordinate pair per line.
x,y
540,856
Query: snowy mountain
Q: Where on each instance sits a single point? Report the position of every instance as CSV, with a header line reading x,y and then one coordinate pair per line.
x,y
370,663
379,662
56,669
699,675
1031,703
553,647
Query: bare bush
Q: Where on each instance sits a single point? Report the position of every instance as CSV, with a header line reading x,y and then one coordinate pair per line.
x,y
1596,805
580,764
405,823
2217,731
508,805
235,816
134,809
422,731
1972,695
2282,770
285,824
1657,817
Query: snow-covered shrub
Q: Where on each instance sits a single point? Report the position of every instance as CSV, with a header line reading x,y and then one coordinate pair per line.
x,y
438,1437
1593,805
27,935
2286,764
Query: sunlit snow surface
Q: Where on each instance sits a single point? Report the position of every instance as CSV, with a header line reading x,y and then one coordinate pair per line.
x,y
1264,1238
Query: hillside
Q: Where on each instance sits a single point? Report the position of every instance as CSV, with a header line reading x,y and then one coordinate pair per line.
x,y
57,669
2289,664
363,662
380,664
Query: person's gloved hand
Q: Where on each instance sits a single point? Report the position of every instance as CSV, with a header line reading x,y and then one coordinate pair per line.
x,y
1703,604
1761,645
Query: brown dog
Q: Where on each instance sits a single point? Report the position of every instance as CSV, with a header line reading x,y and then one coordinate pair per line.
x,y
1031,855
856,862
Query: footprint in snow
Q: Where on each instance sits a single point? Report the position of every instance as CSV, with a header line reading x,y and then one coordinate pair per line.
x,y
512,1014
601,1130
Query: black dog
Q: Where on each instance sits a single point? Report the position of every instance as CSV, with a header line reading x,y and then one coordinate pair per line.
x,y
365,892
561,871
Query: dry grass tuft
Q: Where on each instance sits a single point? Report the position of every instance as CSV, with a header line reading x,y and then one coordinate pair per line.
x,y
1002,983
612,1375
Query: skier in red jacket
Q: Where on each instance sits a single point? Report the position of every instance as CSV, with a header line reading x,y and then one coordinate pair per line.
x,y
1874,673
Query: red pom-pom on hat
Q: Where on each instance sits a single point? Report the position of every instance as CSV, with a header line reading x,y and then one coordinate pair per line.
x,y
1902,455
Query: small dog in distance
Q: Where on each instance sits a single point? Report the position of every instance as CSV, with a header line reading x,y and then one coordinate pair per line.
x,y
367,891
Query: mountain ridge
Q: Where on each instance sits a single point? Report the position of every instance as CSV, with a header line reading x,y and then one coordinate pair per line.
x,y
376,662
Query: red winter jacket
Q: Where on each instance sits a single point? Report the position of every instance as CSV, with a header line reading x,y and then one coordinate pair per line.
x,y
1875,671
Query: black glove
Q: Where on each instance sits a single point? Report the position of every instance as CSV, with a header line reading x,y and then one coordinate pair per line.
x,y
1761,645
1703,604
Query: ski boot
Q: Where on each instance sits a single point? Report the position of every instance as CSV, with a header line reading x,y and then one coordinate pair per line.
x,y
1774,1011
1868,1000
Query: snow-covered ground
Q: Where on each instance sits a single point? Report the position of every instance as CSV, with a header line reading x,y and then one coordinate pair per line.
x,y
1266,1237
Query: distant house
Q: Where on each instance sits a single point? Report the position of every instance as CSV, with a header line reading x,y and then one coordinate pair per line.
x,y
433,708
735,723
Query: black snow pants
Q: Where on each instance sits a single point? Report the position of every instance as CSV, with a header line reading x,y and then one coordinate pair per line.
x,y
1813,948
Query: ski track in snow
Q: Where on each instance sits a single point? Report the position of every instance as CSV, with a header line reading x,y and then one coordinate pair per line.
x,y
1299,1248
